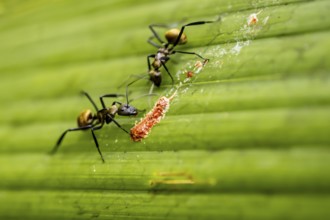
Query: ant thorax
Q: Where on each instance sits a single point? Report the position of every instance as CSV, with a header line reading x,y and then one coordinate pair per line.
x,y
161,56
103,114
113,110
163,51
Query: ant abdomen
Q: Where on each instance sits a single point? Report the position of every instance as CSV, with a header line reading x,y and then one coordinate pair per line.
x,y
85,118
172,35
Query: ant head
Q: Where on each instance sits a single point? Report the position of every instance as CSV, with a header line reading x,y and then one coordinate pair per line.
x,y
172,35
155,77
127,110
85,118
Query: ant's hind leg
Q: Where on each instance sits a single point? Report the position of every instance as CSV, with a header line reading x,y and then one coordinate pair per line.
x,y
155,34
186,25
191,53
90,99
95,140
59,141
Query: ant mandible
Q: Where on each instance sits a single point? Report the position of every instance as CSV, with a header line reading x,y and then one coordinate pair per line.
x,y
174,37
88,120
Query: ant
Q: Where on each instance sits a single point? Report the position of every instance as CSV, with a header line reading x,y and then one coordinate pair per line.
x,y
174,37
88,120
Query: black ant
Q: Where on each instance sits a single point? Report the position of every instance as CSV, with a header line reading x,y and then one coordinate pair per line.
x,y
174,37
88,120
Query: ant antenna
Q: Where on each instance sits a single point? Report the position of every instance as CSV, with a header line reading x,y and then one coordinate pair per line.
x,y
141,96
127,101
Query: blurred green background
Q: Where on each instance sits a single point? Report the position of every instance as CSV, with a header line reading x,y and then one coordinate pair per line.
x,y
246,138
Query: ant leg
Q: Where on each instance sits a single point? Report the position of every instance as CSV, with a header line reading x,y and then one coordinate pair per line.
x,y
95,140
127,101
148,60
163,63
192,53
153,43
118,125
190,24
151,27
59,141
140,76
90,99
141,96
115,102
109,96
150,92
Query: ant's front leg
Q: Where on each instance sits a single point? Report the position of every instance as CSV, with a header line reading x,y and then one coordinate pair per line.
x,y
109,96
118,125
129,84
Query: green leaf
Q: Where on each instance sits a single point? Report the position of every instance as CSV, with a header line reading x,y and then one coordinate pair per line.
x,y
247,137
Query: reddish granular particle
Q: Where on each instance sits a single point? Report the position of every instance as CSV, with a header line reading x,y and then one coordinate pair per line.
x,y
153,117
253,19
190,74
